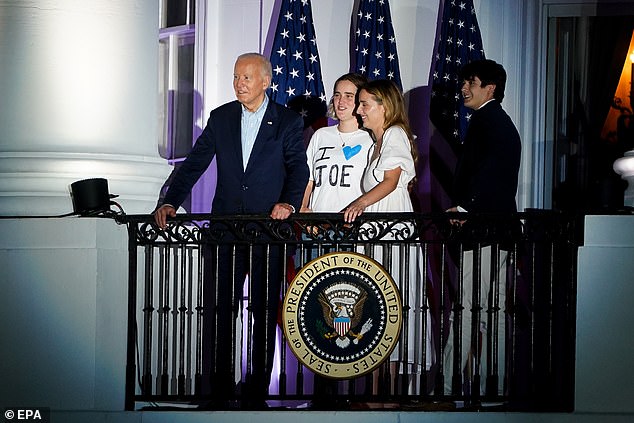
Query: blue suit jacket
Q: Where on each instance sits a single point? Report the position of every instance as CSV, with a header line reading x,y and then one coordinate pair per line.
x,y
276,172
487,171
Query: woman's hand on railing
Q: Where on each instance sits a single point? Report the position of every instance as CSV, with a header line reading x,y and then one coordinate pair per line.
x,y
354,210
161,214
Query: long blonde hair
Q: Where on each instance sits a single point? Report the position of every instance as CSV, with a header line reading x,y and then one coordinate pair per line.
x,y
388,94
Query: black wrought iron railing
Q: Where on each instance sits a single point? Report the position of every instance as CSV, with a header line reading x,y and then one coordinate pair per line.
x,y
486,311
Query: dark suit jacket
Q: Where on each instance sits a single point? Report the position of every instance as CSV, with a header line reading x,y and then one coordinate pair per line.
x,y
487,169
276,173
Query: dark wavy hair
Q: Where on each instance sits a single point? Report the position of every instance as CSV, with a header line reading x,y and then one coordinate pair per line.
x,y
489,72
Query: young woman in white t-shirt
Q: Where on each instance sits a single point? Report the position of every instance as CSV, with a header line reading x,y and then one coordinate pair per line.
x,y
337,155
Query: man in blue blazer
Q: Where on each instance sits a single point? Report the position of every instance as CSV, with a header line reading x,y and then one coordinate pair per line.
x,y
261,163
485,181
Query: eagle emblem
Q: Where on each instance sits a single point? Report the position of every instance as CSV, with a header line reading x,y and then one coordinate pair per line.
x,y
342,307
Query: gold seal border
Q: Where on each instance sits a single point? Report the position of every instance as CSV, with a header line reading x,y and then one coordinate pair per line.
x,y
391,297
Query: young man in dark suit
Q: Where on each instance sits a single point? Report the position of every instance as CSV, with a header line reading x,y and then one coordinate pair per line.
x,y
485,181
261,163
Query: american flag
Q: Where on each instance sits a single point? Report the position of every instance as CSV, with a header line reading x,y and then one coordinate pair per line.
x,y
458,43
374,42
297,81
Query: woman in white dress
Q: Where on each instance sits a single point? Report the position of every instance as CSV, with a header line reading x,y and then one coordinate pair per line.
x,y
391,170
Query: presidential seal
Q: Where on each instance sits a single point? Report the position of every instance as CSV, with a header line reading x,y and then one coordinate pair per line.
x,y
342,315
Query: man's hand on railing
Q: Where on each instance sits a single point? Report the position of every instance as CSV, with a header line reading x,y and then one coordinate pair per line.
x,y
281,211
161,214
458,222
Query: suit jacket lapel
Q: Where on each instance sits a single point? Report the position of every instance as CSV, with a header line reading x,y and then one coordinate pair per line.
x,y
235,133
265,133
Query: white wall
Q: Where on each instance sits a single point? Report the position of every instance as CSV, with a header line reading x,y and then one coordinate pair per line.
x,y
63,312
605,374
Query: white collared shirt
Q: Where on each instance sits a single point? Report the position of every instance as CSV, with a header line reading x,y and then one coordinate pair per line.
x,y
250,125
485,103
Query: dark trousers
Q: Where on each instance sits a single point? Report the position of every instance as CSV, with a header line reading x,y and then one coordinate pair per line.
x,y
226,267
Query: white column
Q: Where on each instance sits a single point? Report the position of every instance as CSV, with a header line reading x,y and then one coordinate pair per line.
x,y
78,83
625,167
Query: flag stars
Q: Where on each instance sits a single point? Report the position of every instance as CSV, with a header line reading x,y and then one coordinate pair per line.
x,y
373,30
297,55
281,52
312,58
284,33
458,42
278,70
289,16
290,91
301,37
